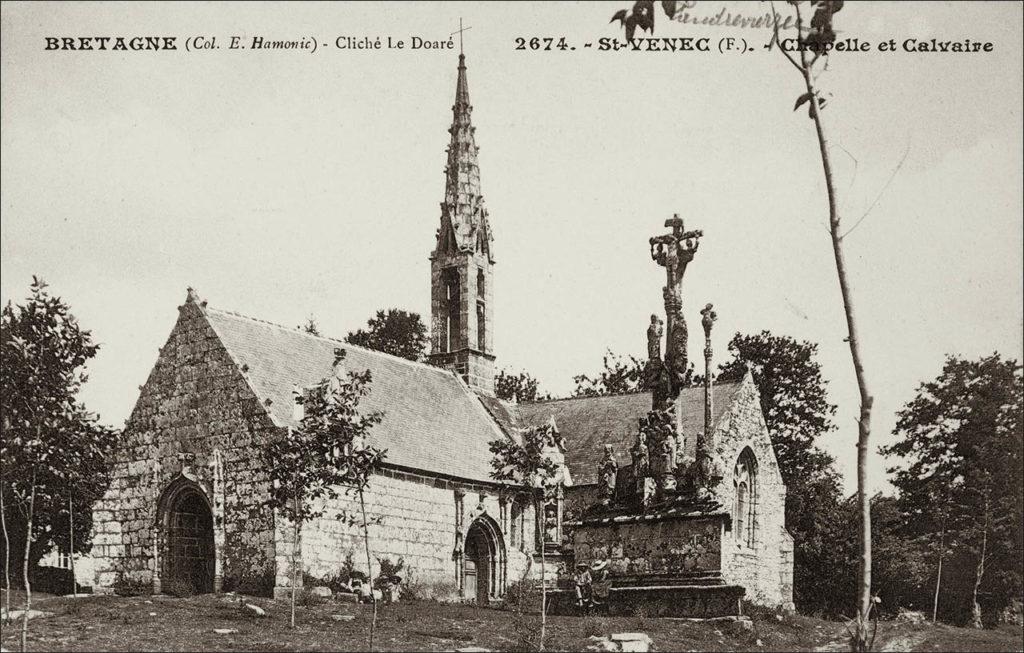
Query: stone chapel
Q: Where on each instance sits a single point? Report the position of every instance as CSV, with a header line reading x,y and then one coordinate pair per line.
x,y
187,497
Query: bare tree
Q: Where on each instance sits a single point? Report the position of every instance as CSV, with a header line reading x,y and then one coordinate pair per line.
x,y
526,463
813,54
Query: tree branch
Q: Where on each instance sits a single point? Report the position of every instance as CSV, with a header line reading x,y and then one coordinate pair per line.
x,y
880,193
775,40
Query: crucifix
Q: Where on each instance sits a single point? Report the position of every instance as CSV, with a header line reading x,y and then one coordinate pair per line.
x,y
674,251
459,32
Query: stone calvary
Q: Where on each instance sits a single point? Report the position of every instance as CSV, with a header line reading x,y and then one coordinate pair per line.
x,y
673,492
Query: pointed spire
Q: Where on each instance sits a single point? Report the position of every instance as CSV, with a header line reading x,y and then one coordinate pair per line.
x,y
462,87
463,212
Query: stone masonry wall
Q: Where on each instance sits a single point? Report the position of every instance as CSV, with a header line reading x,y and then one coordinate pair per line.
x,y
760,568
419,522
196,402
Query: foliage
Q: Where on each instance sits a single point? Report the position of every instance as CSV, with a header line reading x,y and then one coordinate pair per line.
x,y
340,581
521,387
959,466
310,326
327,455
125,585
621,375
396,332
389,571
251,584
794,396
50,442
794,401
524,461
180,587
642,16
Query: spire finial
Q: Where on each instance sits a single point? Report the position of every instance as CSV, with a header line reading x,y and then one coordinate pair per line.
x,y
459,32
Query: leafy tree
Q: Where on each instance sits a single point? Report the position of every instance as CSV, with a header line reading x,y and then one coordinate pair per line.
x,y
958,469
794,397
326,456
621,375
794,400
396,332
526,463
520,387
53,450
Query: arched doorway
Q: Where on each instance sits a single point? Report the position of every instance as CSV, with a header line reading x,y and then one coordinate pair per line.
x,y
482,573
188,536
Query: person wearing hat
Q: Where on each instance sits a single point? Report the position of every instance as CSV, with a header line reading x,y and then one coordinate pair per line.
x,y
583,585
600,586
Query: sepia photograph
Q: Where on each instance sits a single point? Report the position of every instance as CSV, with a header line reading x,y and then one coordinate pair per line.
x,y
729,358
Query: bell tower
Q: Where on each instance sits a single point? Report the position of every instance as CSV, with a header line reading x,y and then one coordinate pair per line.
x,y
461,265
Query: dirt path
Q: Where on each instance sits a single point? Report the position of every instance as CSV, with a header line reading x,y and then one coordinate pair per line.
x,y
905,642
898,642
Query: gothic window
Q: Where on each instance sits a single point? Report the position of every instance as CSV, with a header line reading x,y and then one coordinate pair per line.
x,y
516,524
480,282
452,297
745,507
481,327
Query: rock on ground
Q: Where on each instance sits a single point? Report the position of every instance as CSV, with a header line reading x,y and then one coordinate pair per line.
x,y
18,614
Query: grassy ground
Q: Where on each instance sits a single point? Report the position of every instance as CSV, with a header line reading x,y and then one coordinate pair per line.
x,y
176,624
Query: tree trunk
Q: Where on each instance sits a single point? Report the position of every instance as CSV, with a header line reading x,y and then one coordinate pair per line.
x,y
938,575
295,553
866,400
25,565
543,593
976,621
369,568
7,554
71,546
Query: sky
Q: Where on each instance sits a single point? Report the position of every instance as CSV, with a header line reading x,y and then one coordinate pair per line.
x,y
284,184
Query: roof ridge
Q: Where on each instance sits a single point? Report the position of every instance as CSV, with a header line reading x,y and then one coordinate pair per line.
x,y
299,331
714,384
598,396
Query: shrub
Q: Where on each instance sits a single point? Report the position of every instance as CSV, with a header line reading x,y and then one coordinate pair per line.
x,y
522,596
53,580
125,585
178,587
591,626
306,598
388,572
412,589
250,583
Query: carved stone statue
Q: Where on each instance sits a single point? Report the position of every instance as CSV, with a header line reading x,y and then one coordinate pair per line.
x,y
707,475
654,333
641,457
607,470
658,380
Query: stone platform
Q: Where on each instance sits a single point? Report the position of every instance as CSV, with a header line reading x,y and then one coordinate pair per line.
x,y
694,601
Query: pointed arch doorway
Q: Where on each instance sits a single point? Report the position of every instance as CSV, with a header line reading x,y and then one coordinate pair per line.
x,y
484,562
188,542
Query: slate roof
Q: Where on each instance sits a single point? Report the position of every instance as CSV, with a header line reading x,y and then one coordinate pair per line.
x,y
589,423
432,422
